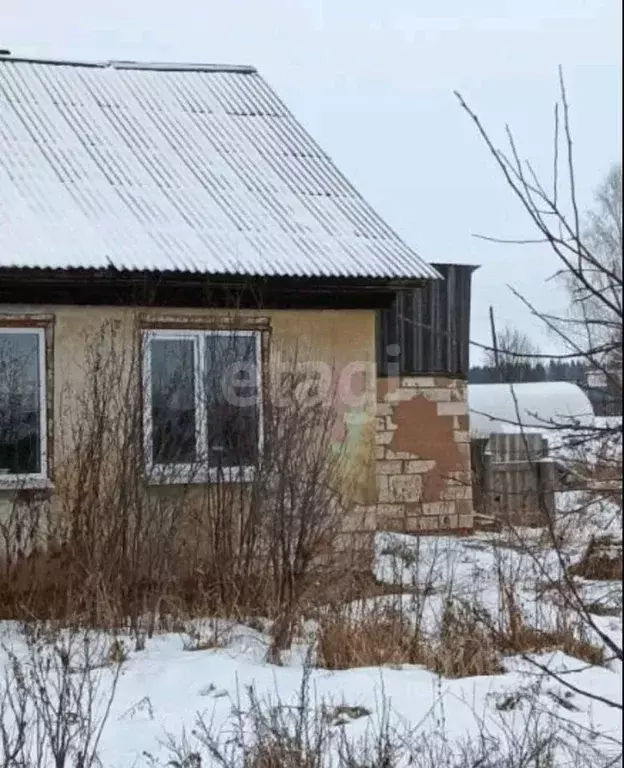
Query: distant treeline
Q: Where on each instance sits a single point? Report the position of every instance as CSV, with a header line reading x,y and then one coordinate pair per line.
x,y
604,402
520,371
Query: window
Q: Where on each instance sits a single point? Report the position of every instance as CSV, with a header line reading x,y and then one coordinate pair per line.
x,y
22,407
202,409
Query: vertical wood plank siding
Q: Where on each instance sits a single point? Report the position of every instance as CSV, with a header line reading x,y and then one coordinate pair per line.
x,y
430,326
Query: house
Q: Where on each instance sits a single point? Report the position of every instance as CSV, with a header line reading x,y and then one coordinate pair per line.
x,y
424,477
184,207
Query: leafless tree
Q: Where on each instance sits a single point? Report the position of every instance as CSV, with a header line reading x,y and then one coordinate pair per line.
x,y
588,251
513,348
598,322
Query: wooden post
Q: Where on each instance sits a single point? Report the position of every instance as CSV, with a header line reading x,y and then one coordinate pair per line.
x,y
546,474
488,483
495,343
545,448
476,472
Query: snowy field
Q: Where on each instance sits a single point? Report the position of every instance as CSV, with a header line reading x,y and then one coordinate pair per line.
x,y
163,689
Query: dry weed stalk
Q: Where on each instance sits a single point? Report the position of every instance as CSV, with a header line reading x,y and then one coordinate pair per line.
x,y
112,547
56,696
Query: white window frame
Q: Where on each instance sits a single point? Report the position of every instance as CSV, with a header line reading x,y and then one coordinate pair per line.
x,y
194,473
39,479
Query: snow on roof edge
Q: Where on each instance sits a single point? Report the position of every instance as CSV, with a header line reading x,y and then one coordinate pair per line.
x,y
166,66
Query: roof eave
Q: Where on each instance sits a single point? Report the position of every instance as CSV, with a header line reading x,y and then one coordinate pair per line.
x,y
182,289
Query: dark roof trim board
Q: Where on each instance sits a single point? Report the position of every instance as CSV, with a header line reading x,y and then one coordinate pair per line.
x,y
176,167
102,287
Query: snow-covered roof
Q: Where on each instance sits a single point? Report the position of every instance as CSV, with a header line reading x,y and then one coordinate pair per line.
x,y
535,406
175,167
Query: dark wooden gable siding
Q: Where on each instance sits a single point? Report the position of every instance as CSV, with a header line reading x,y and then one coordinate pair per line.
x,y
427,329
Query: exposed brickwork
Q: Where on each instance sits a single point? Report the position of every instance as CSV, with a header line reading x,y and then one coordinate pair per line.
x,y
422,453
424,482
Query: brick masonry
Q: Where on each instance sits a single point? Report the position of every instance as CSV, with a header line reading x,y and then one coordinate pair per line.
x,y
424,481
422,457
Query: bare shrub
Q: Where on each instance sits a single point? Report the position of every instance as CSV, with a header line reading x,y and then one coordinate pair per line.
x,y
264,734
269,560
115,545
55,698
201,636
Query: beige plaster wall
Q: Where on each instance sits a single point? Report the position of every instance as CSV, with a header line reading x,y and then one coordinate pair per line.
x,y
336,338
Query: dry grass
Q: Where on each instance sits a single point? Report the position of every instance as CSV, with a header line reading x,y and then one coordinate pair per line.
x,y
515,636
280,753
467,642
601,561
603,474
604,608
339,585
205,638
55,584
566,639
460,648
380,636
465,647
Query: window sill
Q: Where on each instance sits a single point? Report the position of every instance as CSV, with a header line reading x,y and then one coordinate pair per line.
x,y
24,483
184,475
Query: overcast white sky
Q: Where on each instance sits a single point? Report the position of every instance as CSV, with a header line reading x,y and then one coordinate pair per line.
x,y
373,81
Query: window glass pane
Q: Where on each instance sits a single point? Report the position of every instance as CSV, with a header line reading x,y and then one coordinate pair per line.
x,y
20,426
173,401
232,395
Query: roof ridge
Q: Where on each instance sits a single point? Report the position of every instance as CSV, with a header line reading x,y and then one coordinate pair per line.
x,y
162,66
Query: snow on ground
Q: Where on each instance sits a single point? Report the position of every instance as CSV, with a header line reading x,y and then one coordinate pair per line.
x,y
175,685
163,687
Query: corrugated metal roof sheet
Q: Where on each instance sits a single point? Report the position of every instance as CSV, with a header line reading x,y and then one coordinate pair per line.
x,y
175,167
